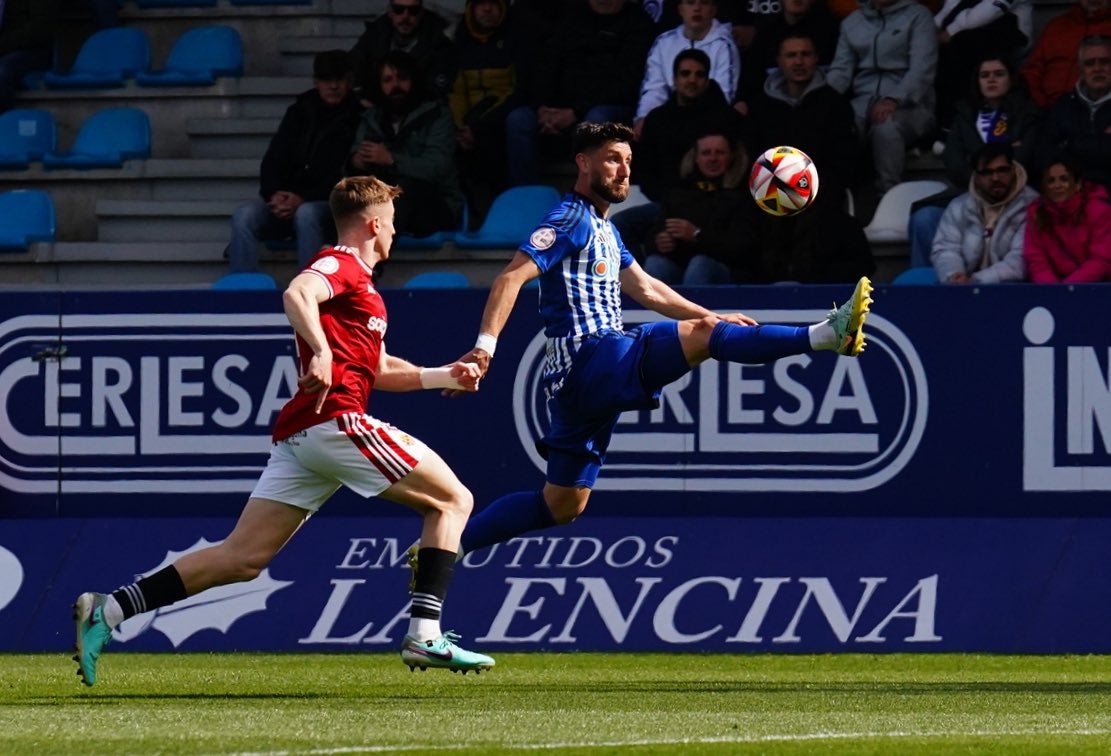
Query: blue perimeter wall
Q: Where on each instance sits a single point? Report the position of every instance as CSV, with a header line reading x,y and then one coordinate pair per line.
x,y
949,491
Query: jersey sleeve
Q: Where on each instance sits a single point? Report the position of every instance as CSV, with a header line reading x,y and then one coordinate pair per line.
x,y
340,271
547,245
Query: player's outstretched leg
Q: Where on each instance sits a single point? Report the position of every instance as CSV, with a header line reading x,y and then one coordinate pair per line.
x,y
848,319
93,634
442,653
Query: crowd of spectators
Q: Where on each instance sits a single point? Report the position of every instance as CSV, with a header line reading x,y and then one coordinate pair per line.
x,y
457,110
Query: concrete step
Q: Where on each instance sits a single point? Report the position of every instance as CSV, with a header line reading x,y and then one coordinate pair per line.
x,y
230,138
297,53
259,26
75,193
164,221
170,107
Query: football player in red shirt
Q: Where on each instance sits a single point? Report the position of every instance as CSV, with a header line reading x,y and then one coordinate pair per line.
x,y
323,439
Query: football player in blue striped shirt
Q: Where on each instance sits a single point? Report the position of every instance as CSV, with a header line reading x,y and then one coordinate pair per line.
x,y
583,268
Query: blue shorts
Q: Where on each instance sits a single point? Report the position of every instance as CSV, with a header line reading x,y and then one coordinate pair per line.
x,y
612,372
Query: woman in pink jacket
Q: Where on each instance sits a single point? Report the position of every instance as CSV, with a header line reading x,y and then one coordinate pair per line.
x,y
1068,229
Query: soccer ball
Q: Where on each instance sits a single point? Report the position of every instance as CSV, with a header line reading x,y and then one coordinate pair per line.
x,y
783,181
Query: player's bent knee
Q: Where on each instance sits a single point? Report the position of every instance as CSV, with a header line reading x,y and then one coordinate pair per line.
x,y
566,506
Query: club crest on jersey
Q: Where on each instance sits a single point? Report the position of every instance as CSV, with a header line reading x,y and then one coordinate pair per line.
x,y
542,238
600,269
326,265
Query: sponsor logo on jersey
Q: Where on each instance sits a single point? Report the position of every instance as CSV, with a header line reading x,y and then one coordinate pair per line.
x,y
600,268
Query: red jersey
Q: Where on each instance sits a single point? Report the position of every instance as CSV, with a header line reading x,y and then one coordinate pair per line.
x,y
354,321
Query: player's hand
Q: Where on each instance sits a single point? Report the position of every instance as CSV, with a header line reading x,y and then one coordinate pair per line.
x,y
468,374
738,318
318,378
960,278
480,359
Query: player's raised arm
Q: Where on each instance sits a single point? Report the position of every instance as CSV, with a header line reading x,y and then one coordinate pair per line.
x,y
655,295
301,302
503,295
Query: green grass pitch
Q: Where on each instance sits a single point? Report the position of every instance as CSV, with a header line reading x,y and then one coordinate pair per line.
x,y
559,703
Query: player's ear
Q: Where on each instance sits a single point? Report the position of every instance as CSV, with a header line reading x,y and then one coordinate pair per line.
x,y
582,161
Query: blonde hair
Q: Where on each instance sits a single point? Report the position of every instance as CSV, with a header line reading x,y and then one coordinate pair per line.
x,y
355,194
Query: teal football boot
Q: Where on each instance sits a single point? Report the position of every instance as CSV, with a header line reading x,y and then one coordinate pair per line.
x,y
442,653
93,634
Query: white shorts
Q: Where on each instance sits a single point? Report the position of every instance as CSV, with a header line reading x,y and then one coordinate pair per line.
x,y
354,450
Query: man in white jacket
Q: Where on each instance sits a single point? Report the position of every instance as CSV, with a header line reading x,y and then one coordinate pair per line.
x,y
981,233
700,30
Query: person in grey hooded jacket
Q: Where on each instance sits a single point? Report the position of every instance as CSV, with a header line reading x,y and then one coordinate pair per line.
x,y
885,63
981,234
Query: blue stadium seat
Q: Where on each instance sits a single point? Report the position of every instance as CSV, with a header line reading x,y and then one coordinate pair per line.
x,y
432,241
921,276
447,279
26,216
512,217
26,134
105,140
105,60
198,57
240,281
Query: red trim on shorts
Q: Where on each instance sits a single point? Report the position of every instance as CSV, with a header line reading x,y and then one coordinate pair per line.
x,y
380,449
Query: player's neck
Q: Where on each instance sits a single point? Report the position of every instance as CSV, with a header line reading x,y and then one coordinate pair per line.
x,y
364,248
601,206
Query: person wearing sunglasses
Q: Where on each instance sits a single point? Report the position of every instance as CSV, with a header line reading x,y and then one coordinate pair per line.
x,y
409,27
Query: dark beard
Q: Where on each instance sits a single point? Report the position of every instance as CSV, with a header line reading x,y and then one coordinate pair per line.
x,y
608,193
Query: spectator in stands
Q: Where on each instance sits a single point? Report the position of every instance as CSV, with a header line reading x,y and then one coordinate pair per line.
x,y
591,72
1079,123
997,109
696,238
1068,228
980,236
810,17
798,107
409,27
27,36
885,61
825,244
304,161
407,139
480,99
700,30
1050,69
966,29
665,15
697,106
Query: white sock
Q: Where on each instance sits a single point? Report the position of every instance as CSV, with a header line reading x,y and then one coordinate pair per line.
x,y
822,336
113,612
424,629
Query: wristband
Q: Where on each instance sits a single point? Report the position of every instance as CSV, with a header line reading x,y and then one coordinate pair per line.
x,y
438,378
486,343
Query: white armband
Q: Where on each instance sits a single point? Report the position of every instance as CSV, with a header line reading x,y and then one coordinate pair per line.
x,y
486,343
438,378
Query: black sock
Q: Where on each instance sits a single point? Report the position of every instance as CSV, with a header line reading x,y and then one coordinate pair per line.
x,y
160,589
433,578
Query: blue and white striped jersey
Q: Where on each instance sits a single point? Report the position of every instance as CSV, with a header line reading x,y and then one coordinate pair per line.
x,y
580,256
